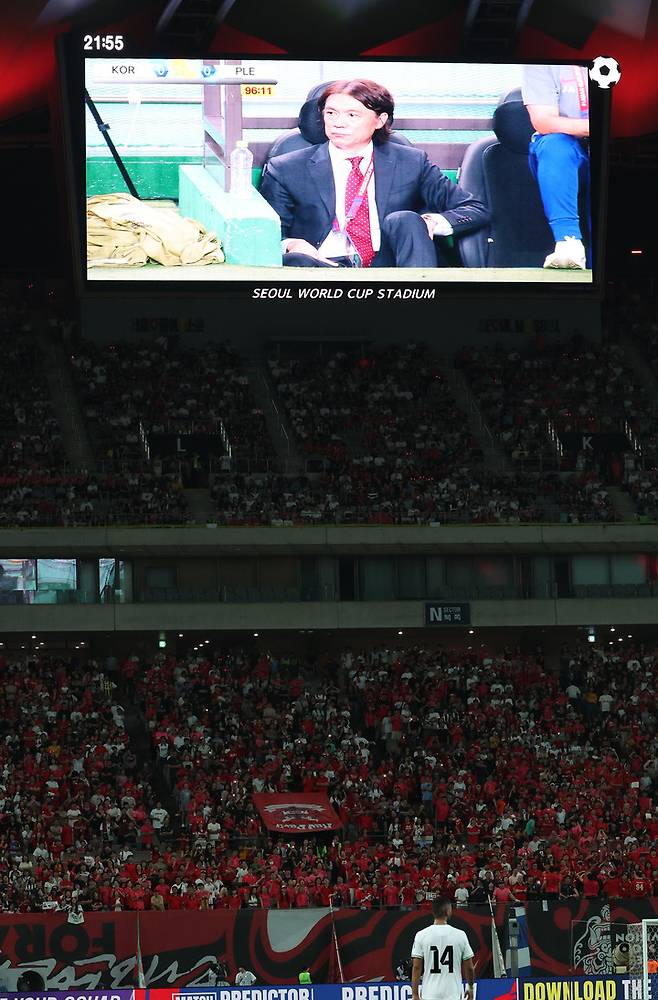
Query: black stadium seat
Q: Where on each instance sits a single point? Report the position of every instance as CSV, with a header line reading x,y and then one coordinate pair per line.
x,y
495,169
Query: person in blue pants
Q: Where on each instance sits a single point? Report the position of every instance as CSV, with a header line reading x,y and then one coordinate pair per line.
x,y
558,105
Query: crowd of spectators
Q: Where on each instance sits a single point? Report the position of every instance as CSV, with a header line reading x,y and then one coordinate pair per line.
x,y
385,442
30,437
44,497
388,409
461,497
471,773
39,489
636,317
540,402
131,392
72,792
383,438
449,770
577,386
29,433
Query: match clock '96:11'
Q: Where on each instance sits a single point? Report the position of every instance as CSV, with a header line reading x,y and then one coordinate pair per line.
x,y
258,89
103,43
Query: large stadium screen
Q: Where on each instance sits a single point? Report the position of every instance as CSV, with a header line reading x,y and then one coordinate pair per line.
x,y
230,174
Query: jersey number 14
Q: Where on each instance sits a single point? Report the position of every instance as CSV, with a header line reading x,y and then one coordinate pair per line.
x,y
446,959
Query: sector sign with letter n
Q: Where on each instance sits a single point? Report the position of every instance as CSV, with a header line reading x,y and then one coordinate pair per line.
x,y
445,613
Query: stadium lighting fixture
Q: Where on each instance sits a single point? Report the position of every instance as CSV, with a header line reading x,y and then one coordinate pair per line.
x,y
255,635
400,632
612,628
471,631
636,253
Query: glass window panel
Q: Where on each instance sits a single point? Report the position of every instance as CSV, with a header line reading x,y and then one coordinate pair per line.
x,y
57,574
106,573
459,571
411,577
436,581
628,568
159,577
493,571
18,574
377,575
589,570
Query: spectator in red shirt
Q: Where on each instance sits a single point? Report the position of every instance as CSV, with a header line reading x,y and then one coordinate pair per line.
x,y
503,893
551,884
591,885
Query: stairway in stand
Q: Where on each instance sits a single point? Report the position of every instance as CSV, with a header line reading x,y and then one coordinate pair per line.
x,y
202,510
622,503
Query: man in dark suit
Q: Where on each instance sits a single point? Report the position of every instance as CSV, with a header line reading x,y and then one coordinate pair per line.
x,y
359,199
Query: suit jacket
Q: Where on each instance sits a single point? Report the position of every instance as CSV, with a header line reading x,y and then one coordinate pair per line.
x,y
300,188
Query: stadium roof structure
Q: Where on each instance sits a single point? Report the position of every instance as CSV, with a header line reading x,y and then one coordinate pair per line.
x,y
501,29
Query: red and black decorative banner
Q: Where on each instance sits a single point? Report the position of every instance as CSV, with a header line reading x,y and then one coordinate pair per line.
x,y
180,948
101,951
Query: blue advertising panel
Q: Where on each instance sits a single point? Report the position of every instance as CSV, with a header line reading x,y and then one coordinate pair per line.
x,y
588,988
573,988
109,994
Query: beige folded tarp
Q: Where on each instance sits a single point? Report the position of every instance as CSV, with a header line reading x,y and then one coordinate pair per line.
x,y
125,232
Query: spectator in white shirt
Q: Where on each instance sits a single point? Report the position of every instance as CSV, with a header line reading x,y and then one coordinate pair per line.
x,y
159,817
244,977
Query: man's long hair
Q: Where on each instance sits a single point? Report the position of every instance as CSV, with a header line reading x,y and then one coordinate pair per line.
x,y
372,95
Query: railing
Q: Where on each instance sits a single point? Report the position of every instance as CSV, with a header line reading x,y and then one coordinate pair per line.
x,y
249,466
554,437
271,402
633,438
326,593
549,516
144,441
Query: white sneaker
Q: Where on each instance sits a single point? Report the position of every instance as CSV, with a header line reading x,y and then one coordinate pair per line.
x,y
569,253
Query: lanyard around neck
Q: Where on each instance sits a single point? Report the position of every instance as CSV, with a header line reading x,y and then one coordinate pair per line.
x,y
358,199
581,88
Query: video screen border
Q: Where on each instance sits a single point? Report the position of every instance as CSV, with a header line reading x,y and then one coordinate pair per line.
x,y
72,61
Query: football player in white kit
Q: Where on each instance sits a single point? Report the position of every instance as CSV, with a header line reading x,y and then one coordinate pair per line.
x,y
438,953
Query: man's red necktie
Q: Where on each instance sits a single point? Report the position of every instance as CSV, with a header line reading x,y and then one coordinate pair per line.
x,y
358,229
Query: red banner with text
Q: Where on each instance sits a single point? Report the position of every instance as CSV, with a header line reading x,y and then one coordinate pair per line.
x,y
306,812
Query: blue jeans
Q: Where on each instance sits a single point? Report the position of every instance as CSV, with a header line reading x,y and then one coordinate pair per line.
x,y
560,165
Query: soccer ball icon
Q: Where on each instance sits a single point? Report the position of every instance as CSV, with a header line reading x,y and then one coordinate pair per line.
x,y
160,69
207,70
605,72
